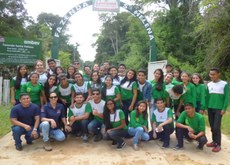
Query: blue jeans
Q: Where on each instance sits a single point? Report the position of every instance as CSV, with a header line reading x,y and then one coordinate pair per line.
x,y
47,131
18,132
117,135
95,126
138,133
80,126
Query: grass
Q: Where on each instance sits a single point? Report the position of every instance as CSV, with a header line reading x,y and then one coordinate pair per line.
x,y
5,124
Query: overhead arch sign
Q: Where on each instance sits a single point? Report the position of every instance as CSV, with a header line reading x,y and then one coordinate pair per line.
x,y
132,9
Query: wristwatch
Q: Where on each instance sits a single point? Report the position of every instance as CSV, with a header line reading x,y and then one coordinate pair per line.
x,y
35,129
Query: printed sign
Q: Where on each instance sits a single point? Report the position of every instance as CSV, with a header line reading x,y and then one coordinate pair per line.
x,y
106,5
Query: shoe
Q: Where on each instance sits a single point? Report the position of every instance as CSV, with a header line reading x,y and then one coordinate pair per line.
x,y
19,147
177,147
165,145
199,147
217,148
85,138
135,147
29,143
114,143
97,138
47,146
121,146
79,134
187,140
212,144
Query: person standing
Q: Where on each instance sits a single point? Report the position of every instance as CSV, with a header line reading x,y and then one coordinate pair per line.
x,y
51,117
217,103
25,118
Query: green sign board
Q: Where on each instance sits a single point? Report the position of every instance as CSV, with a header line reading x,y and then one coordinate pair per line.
x,y
16,51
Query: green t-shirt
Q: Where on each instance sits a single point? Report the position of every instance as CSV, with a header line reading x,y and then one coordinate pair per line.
x,y
175,82
79,111
127,91
190,94
137,121
17,91
65,93
158,93
200,95
35,91
160,117
197,122
111,94
116,118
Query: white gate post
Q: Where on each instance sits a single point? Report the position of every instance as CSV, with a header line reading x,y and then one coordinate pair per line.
x,y
6,92
1,79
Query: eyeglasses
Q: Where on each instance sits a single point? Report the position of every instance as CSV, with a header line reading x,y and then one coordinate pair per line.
x,y
96,93
53,97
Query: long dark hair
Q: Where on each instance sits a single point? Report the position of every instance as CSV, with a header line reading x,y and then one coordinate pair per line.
x,y
104,88
178,70
160,82
130,81
106,114
116,76
47,86
98,80
68,75
19,76
145,112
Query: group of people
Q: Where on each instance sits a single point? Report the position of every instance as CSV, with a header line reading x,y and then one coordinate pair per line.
x,y
113,103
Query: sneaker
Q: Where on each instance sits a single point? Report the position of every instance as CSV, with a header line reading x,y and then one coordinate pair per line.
x,y
217,148
121,146
199,147
165,145
47,146
114,143
97,138
19,147
187,140
212,144
29,142
177,147
85,138
135,147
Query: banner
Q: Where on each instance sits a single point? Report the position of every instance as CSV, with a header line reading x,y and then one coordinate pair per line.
x,y
106,5
16,51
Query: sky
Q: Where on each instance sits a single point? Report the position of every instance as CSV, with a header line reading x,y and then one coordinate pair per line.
x,y
83,25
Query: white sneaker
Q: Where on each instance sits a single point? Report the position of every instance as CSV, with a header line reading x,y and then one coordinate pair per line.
x,y
135,147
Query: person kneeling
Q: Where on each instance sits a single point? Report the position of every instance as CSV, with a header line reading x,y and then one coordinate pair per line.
x,y
51,116
192,125
162,123
138,124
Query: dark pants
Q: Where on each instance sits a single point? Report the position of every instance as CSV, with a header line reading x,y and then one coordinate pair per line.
x,y
165,135
117,135
180,110
80,126
198,106
125,108
181,132
214,118
18,132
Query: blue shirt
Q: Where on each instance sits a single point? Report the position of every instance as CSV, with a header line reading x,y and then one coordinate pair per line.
x,y
25,114
56,114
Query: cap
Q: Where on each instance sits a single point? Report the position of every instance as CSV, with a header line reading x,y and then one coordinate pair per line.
x,y
62,76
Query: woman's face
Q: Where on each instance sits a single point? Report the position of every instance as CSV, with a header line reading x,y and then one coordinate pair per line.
x,y
53,98
195,79
78,78
71,70
34,78
108,82
157,75
95,76
110,105
59,70
113,72
176,74
23,71
39,66
52,80
130,75
142,107
184,77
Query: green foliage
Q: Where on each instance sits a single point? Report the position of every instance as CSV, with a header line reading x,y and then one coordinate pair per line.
x,y
5,123
64,58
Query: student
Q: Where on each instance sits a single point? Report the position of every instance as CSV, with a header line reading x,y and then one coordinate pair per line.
x,y
87,73
97,105
129,93
95,82
79,117
102,73
144,87
77,65
51,117
58,70
162,123
35,90
138,124
110,91
39,68
121,71
115,126
190,124
52,65
168,81
70,73
176,76
17,82
200,92
25,123
217,103
50,85
114,73
168,68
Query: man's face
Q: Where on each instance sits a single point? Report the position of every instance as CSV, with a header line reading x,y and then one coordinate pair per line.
x,y
52,65
160,104
141,77
77,65
25,100
79,99
214,76
189,110
96,95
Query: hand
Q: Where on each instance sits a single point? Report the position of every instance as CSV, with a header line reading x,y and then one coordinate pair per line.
x,y
145,128
191,135
34,134
202,112
68,128
130,108
190,130
222,112
109,130
177,113
27,128
71,106
13,102
154,134
160,128
95,112
53,123
64,101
